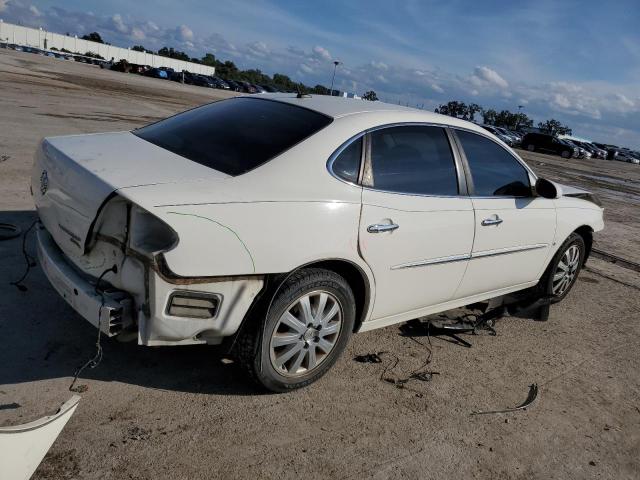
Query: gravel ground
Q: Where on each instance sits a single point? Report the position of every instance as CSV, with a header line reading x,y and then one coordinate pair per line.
x,y
185,413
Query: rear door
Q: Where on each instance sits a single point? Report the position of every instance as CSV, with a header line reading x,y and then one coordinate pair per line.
x,y
514,230
416,226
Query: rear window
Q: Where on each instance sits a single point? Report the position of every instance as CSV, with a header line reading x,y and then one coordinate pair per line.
x,y
236,135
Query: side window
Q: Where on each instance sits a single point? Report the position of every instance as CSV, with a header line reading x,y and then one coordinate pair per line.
x,y
413,159
347,164
494,170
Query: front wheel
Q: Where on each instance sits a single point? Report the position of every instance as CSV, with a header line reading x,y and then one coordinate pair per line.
x,y
561,275
531,148
566,154
305,330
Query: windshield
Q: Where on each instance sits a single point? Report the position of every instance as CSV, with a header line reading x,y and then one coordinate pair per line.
x,y
236,135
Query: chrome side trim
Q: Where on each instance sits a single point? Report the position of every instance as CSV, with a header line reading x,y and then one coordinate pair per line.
x,y
503,251
460,258
432,261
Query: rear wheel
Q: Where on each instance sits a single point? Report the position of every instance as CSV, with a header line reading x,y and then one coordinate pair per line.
x,y
305,330
531,148
563,270
566,154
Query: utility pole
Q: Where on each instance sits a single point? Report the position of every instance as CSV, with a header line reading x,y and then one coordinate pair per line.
x,y
335,66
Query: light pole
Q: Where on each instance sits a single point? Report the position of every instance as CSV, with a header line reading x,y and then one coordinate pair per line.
x,y
335,66
520,107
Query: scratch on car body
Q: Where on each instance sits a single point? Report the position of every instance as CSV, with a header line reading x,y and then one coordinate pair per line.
x,y
223,226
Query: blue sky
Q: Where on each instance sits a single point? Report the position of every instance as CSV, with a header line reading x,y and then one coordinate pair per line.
x,y
577,61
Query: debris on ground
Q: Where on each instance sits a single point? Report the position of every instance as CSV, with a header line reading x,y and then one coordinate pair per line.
x,y
531,397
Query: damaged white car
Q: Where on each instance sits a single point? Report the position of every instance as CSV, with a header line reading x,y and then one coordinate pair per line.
x,y
281,225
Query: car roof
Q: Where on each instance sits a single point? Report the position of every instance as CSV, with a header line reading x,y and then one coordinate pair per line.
x,y
340,107
335,107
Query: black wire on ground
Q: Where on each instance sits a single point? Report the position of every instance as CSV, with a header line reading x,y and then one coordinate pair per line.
x,y
30,261
97,358
420,374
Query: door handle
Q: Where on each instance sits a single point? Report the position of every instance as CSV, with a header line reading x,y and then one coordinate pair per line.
x,y
382,227
496,220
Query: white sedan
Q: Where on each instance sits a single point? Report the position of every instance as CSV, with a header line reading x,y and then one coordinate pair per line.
x,y
281,225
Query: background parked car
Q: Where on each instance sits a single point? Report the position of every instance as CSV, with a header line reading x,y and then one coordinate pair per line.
x,y
612,150
495,130
270,88
578,151
233,85
156,73
543,142
626,155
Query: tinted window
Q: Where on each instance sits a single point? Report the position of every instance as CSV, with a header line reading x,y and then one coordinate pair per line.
x,y
347,164
413,160
493,169
236,135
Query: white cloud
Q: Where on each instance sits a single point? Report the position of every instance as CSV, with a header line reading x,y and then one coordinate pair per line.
x,y
33,9
186,34
561,100
306,68
118,23
436,88
137,33
623,100
486,76
258,49
321,53
380,66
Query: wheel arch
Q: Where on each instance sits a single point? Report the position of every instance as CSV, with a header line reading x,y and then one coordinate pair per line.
x,y
355,276
586,232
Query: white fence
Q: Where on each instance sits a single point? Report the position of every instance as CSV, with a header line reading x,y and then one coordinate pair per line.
x,y
33,37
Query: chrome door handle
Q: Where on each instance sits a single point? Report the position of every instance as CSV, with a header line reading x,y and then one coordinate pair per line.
x,y
491,221
382,227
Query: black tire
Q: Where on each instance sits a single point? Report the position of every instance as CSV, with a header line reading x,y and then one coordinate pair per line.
x,y
566,154
546,283
253,347
531,147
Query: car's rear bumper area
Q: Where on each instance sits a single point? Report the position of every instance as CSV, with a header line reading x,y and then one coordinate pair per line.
x,y
143,308
110,310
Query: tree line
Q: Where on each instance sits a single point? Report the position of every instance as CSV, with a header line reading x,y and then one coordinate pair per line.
x,y
229,70
503,118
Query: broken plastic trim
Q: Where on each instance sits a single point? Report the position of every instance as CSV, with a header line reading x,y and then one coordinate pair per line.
x,y
531,397
22,447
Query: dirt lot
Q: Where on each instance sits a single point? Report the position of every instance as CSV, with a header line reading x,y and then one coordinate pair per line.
x,y
183,413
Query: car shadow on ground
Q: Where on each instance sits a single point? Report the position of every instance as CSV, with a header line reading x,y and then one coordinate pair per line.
x,y
43,338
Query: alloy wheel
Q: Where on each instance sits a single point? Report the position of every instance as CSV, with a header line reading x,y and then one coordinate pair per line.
x,y
306,333
566,270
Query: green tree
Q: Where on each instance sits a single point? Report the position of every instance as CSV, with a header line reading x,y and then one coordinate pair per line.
x,y
171,53
554,127
371,96
94,37
453,109
489,116
472,109
320,90
209,59
140,48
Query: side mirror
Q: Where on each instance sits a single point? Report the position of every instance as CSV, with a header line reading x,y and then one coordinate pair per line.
x,y
547,189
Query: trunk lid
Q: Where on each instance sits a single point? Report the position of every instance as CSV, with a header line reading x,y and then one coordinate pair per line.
x,y
74,175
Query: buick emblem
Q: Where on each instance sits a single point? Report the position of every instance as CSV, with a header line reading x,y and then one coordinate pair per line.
x,y
44,182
